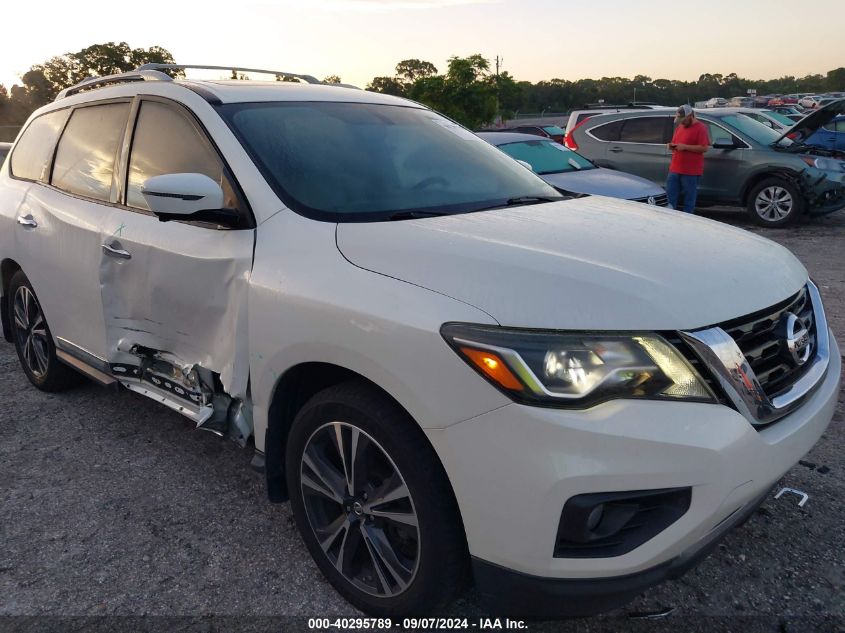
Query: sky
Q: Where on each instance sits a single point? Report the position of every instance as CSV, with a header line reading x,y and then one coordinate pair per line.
x,y
360,39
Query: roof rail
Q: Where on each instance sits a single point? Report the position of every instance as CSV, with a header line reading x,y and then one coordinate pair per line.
x,y
278,73
95,82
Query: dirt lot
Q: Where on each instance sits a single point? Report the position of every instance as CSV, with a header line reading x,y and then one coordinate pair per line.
x,y
113,506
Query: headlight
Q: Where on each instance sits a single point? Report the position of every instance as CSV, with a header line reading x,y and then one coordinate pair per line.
x,y
576,370
826,164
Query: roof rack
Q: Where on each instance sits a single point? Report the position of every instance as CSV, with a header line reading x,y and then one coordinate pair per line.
x,y
95,82
152,72
278,73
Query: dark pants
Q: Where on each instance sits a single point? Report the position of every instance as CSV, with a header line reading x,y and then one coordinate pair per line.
x,y
678,185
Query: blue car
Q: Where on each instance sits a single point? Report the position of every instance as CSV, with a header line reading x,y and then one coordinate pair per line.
x,y
830,136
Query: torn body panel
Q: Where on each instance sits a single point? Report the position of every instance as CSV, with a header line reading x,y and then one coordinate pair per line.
x,y
175,308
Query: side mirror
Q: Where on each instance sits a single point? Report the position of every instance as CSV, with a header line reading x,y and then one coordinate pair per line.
x,y
187,197
724,143
525,164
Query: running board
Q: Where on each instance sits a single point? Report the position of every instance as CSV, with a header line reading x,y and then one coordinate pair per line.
x,y
84,368
199,414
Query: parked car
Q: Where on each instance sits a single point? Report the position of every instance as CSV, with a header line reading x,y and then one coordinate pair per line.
x,y
762,101
830,136
578,116
741,102
447,368
716,102
4,151
775,175
553,132
811,102
572,174
767,117
790,111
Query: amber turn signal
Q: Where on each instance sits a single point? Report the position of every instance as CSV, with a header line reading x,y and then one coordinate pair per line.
x,y
492,366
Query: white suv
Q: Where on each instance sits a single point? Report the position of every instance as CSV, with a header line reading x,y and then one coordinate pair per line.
x,y
450,370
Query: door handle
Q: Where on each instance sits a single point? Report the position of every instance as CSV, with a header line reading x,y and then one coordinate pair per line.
x,y
616,150
27,221
118,253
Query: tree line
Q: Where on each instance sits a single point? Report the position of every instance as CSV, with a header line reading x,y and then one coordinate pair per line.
x,y
468,91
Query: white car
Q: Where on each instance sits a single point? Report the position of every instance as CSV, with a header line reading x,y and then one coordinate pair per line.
x,y
716,102
448,369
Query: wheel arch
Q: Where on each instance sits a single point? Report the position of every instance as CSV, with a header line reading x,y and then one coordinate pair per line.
x,y
769,172
293,389
8,268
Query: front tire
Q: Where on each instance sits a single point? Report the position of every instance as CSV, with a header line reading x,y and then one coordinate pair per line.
x,y
33,340
775,202
373,504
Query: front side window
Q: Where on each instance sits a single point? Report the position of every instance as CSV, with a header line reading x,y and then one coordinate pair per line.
x,y
547,157
644,130
751,128
718,133
348,162
166,141
87,150
34,151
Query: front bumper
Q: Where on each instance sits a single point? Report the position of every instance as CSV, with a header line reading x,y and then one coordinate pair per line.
x,y
514,468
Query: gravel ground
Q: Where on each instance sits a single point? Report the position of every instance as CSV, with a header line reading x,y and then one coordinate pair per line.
x,y
113,506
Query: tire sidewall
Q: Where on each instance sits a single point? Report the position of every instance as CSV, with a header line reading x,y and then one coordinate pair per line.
x,y
415,473
21,280
798,203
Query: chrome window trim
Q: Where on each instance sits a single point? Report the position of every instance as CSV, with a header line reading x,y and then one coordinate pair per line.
x,y
722,356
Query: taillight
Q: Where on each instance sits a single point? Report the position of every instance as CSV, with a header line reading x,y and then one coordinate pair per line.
x,y
791,136
569,140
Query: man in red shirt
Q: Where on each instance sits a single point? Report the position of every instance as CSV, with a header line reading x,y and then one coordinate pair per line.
x,y
688,145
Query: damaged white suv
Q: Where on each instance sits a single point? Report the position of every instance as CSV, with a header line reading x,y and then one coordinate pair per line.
x,y
450,370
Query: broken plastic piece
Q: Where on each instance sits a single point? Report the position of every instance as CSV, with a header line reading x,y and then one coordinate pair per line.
x,y
804,496
809,465
652,615
823,470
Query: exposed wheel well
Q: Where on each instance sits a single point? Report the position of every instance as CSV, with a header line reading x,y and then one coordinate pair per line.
x,y
757,178
8,268
292,391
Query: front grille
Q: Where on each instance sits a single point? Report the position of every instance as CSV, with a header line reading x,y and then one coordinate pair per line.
x,y
659,201
756,338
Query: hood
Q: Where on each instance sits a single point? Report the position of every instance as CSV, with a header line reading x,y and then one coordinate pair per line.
x,y
802,130
604,182
585,264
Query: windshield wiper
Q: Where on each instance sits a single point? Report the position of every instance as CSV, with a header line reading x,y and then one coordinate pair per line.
x,y
414,215
512,202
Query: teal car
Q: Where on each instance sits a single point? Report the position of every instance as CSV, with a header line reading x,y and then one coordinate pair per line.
x,y
776,175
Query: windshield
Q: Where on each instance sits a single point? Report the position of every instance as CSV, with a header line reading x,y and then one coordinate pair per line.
x,y
547,157
353,162
755,130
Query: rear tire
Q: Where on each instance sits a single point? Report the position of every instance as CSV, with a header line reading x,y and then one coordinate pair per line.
x,y
405,555
33,340
775,202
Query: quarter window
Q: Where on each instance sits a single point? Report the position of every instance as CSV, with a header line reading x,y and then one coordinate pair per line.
x,y
86,154
166,141
34,151
645,130
608,131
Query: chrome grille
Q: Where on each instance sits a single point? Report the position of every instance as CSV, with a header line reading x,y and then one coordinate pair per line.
x,y
659,201
755,336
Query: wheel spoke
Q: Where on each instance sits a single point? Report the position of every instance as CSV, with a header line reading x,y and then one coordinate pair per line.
x,y
393,489
20,314
352,540
40,354
328,536
406,518
381,551
341,448
328,481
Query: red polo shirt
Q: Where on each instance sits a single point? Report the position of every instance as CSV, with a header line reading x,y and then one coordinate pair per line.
x,y
689,163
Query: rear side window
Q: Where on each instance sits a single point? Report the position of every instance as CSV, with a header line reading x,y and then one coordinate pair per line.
x,y
608,131
34,151
86,154
645,130
166,141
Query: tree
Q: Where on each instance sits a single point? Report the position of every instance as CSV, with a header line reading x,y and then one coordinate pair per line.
x,y
387,85
331,79
409,70
836,79
44,81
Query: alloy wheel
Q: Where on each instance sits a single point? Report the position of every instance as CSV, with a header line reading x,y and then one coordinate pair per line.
x,y
773,203
360,509
31,332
